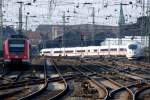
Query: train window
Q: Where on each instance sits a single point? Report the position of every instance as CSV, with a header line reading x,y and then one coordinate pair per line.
x,y
16,49
132,46
88,50
16,45
16,41
104,49
113,49
46,52
80,50
95,50
57,51
69,51
122,49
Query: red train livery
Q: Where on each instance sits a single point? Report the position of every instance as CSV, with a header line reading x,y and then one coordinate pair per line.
x,y
16,50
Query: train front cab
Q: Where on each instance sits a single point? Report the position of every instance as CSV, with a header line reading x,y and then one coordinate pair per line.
x,y
134,52
16,51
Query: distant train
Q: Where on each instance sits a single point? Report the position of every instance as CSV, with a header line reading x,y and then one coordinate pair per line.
x,y
131,51
135,51
16,50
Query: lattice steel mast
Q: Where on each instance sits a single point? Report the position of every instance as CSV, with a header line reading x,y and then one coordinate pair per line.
x,y
1,24
148,28
20,18
120,23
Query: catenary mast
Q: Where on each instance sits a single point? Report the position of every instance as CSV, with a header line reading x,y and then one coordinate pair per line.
x,y
120,23
148,28
1,24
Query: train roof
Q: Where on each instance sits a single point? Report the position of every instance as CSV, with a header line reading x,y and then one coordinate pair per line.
x,y
134,43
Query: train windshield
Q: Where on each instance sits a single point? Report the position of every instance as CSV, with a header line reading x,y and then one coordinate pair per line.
x,y
133,46
16,46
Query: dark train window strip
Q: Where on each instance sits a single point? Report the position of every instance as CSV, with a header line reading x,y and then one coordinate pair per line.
x,y
113,49
95,50
46,52
122,49
68,51
57,51
80,50
104,49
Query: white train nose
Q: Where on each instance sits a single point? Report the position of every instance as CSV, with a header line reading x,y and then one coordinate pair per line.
x,y
131,54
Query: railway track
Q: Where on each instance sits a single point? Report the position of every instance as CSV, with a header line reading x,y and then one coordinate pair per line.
x,y
22,87
143,93
116,90
53,94
126,69
126,90
113,87
99,76
85,78
32,87
138,78
123,76
103,92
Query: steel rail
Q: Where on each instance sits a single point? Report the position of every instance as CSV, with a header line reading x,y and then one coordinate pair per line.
x,y
27,97
65,90
94,81
11,80
138,93
22,83
135,95
110,80
111,94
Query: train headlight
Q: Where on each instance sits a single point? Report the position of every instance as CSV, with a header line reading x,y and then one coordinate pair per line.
x,y
16,56
24,57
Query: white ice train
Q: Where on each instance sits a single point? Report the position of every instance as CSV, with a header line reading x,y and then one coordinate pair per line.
x,y
135,51
131,51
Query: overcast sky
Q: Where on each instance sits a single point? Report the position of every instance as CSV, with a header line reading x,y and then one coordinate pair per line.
x,y
106,11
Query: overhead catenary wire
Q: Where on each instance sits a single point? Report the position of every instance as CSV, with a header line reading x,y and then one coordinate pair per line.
x,y
74,6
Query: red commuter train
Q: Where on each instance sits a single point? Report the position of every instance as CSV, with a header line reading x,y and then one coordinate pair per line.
x,y
16,50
